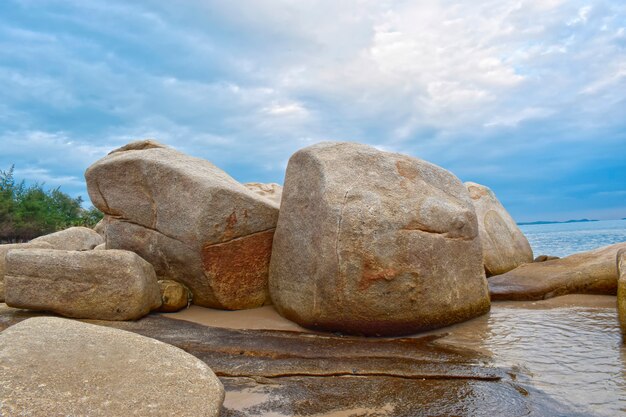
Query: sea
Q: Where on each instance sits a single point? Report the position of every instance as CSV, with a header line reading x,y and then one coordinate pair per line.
x,y
563,239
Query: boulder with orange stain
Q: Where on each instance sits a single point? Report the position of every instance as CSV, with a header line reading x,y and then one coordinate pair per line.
x,y
189,219
375,243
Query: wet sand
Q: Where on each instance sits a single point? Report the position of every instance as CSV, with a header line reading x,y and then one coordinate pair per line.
x,y
263,318
266,317
569,347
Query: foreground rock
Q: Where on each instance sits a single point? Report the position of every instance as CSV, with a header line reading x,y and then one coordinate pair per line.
x,y
74,238
375,243
106,285
189,219
271,191
6,248
59,367
504,245
174,296
621,289
592,272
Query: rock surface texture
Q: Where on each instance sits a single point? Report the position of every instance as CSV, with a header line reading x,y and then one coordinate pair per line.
x,y
6,248
621,290
592,272
375,243
271,191
189,219
74,238
174,296
106,285
504,245
59,367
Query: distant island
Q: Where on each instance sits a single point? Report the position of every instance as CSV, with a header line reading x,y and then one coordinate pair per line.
x,y
553,222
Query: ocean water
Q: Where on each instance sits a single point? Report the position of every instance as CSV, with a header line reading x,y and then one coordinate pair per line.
x,y
563,239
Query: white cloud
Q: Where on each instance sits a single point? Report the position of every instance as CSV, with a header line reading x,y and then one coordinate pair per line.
x,y
286,109
470,85
512,120
42,175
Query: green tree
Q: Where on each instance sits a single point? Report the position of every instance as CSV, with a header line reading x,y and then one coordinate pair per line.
x,y
7,203
28,212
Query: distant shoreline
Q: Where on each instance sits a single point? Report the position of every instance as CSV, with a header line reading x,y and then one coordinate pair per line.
x,y
554,222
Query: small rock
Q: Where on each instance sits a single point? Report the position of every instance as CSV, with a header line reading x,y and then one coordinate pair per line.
x,y
543,258
101,246
59,367
174,296
74,238
105,285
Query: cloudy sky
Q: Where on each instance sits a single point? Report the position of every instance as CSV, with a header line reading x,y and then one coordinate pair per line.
x,y
525,96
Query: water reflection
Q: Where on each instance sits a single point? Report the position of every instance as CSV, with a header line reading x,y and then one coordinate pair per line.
x,y
572,352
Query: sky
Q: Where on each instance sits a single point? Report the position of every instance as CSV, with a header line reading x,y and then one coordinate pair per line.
x,y
527,97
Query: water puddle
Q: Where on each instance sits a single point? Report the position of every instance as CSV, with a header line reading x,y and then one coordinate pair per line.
x,y
570,346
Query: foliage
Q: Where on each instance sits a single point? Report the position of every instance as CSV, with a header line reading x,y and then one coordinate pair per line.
x,y
30,211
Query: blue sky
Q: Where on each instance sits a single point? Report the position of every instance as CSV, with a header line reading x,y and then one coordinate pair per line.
x,y
526,97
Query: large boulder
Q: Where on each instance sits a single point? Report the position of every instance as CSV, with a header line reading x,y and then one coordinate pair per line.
x,y
189,219
58,367
74,238
621,290
6,248
504,245
106,285
375,243
592,272
271,191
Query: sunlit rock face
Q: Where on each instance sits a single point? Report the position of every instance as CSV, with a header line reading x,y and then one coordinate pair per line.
x,y
73,238
504,245
189,219
271,191
375,243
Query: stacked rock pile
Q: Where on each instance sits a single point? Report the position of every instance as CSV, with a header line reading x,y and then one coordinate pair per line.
x,y
366,242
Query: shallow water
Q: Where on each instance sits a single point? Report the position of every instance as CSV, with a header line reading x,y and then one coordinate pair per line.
x,y
569,346
562,239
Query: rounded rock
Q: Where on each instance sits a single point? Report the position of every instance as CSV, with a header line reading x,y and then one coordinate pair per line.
x,y
59,367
